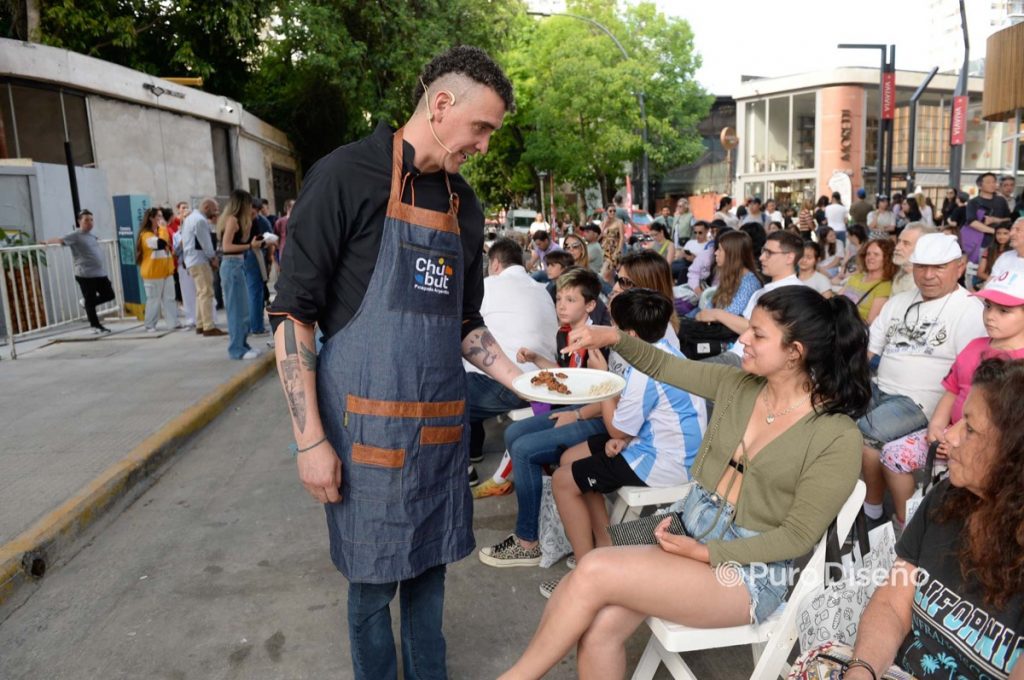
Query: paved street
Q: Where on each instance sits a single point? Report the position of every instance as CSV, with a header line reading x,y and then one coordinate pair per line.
x,y
221,570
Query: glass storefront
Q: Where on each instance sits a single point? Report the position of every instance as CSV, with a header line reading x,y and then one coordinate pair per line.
x,y
780,134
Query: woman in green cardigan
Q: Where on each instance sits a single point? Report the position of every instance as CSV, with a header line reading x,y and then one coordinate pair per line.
x,y
781,455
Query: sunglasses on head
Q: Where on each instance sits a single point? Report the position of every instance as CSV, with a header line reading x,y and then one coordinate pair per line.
x,y
624,282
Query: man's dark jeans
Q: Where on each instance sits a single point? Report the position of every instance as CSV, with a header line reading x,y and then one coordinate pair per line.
x,y
487,398
369,628
95,291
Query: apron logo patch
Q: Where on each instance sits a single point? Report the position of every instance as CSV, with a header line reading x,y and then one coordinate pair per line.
x,y
433,276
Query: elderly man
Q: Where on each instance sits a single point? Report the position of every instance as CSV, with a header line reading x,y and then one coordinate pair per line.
x,y
90,270
519,313
200,259
1012,260
903,282
917,335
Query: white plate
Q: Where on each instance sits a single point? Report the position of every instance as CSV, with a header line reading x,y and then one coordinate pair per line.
x,y
578,380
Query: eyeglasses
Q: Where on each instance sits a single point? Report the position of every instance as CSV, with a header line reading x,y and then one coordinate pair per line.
x,y
768,253
574,246
624,282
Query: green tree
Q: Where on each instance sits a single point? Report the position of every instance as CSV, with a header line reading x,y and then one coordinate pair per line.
x,y
333,68
579,113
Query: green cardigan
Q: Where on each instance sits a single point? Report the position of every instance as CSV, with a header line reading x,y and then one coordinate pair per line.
x,y
792,489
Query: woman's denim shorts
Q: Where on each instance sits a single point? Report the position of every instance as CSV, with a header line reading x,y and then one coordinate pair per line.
x,y
766,583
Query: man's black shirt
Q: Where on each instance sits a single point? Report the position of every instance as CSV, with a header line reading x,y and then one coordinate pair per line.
x,y
335,228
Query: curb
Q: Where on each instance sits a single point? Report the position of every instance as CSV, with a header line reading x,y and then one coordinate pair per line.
x,y
26,557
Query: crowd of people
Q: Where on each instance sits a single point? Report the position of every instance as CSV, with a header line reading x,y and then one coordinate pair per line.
x,y
202,259
856,336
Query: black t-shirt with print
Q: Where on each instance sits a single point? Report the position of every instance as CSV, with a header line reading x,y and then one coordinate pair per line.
x,y
954,634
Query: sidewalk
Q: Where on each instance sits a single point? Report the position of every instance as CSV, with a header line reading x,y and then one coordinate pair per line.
x,y
76,407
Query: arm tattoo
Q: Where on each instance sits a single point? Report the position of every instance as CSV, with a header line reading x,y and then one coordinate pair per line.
x,y
483,349
308,357
292,377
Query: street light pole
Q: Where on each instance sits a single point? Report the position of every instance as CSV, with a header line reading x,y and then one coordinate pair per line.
x,y
644,166
542,174
880,148
912,141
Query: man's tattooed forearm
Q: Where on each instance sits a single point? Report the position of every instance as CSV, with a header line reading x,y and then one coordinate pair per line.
x,y
482,349
291,377
308,357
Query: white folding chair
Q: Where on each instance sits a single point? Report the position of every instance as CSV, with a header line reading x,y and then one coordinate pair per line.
x,y
631,500
772,640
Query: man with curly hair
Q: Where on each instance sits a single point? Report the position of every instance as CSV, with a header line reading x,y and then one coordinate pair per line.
x,y
384,255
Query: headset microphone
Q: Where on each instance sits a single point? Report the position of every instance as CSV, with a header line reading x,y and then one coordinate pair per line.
x,y
430,115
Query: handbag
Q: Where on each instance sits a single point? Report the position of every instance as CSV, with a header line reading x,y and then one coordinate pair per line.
x,y
703,339
830,660
641,531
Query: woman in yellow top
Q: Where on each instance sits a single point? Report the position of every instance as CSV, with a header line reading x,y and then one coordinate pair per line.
x,y
871,286
156,265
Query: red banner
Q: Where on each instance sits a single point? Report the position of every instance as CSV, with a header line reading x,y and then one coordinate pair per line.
x,y
888,96
958,126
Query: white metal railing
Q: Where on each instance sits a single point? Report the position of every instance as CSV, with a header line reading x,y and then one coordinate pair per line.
x,y
39,293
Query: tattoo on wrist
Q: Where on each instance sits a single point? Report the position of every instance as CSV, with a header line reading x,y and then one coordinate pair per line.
x,y
291,377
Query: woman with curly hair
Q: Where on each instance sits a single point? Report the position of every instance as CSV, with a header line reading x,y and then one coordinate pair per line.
x,y
871,287
954,603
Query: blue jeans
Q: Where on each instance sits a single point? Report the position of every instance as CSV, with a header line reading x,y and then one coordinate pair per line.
x,y
236,303
486,398
540,276
535,442
254,286
369,628
889,417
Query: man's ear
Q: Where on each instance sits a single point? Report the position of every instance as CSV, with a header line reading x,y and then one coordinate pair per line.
x,y
591,306
632,334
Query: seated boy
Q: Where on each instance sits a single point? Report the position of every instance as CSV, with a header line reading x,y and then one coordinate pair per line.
x,y
654,432
538,441
556,264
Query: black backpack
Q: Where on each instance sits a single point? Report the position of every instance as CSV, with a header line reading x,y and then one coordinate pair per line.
x,y
703,339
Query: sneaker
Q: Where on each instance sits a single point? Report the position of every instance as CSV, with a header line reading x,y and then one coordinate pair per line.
x,y
250,355
549,586
493,488
570,561
509,553
214,333
199,331
476,457
100,330
474,478
151,330
260,334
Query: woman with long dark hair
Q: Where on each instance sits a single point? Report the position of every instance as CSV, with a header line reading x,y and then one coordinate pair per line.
x,y
234,232
737,277
156,266
954,603
781,456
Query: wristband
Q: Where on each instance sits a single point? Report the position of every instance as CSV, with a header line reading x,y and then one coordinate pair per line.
x,y
861,663
296,450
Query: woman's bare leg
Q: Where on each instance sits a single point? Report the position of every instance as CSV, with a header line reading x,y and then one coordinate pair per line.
x,y
598,510
644,579
601,652
901,485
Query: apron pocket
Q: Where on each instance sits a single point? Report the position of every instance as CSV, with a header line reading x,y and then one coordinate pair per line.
x,y
378,457
440,435
425,281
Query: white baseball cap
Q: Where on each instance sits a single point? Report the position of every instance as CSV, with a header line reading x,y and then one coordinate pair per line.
x,y
1006,288
934,249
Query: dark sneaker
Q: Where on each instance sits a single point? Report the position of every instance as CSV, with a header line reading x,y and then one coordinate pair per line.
x,y
549,586
476,457
474,478
100,330
509,553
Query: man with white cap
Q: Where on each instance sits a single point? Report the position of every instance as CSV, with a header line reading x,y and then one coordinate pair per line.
x,y
918,334
1011,260
903,282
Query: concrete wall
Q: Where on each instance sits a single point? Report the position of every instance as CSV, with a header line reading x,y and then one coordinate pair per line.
x,y
150,151
36,198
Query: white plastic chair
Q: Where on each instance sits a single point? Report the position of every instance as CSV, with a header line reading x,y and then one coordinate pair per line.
x,y
630,500
772,640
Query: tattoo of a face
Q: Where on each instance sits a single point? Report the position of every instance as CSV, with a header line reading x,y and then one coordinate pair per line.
x,y
291,377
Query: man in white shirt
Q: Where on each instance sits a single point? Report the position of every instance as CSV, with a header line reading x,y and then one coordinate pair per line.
x,y
918,334
519,313
1012,260
200,258
836,215
903,282
779,256
539,225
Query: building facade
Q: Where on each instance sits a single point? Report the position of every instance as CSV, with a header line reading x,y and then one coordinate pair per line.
x,y
129,133
796,132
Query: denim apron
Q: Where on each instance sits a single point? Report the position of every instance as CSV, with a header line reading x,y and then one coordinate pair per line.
x,y
392,391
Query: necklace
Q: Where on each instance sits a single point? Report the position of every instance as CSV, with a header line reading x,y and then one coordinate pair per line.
x,y
770,418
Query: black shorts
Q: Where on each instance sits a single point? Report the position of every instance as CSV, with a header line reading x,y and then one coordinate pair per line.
x,y
602,474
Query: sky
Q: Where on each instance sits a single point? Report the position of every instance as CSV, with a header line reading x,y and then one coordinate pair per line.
x,y
780,37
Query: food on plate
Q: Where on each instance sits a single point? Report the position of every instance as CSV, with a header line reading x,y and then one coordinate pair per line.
x,y
551,381
606,387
